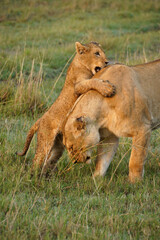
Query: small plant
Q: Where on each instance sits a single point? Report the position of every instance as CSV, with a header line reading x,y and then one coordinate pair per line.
x,y
23,96
6,92
28,97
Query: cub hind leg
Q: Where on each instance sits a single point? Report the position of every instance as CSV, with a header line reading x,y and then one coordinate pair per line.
x,y
49,144
55,153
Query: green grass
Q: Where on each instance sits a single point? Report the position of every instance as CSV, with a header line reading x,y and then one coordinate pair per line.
x,y
36,41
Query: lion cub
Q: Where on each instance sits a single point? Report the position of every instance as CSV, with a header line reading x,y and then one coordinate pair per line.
x,y
88,60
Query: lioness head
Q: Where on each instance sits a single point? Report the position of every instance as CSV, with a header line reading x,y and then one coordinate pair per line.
x,y
91,56
80,136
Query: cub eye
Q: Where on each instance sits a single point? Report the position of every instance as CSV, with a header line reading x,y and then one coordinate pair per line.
x,y
97,53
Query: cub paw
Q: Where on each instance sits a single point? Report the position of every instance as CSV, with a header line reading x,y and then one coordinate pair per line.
x,y
109,89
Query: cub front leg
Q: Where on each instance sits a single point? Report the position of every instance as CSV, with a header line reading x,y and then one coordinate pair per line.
x,y
106,152
139,152
104,87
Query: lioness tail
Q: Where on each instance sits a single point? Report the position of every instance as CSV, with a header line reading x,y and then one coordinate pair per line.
x,y
31,132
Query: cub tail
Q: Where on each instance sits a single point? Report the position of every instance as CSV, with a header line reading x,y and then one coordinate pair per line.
x,y
30,135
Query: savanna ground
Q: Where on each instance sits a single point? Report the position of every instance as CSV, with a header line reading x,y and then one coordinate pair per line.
x,y
36,45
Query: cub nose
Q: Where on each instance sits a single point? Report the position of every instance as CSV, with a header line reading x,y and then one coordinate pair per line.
x,y
106,62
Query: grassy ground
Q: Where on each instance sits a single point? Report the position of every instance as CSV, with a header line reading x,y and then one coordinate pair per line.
x,y
36,42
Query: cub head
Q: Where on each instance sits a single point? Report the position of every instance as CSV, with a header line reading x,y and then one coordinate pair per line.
x,y
91,56
80,136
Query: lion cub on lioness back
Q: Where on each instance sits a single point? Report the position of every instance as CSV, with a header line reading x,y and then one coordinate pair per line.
x,y
88,60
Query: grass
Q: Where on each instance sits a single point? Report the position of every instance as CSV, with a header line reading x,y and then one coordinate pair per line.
x,y
36,42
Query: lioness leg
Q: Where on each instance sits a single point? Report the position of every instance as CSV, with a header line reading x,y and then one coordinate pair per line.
x,y
106,152
140,144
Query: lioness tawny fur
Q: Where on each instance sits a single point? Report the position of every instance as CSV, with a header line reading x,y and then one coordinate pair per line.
x,y
133,112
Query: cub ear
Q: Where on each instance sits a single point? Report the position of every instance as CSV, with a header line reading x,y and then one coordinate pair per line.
x,y
80,48
96,43
80,123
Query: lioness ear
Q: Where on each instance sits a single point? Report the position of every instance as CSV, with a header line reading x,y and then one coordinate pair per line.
x,y
81,48
80,123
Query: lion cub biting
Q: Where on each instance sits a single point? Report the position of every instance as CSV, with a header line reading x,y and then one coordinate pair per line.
x,y
88,60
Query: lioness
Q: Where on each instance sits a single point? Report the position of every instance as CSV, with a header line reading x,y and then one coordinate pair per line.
x,y
133,112
87,61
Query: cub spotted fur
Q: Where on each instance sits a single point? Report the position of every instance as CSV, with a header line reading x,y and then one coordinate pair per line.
x,y
87,61
133,112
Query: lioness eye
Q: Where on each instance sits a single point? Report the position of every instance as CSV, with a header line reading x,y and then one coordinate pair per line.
x,y
97,53
71,148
